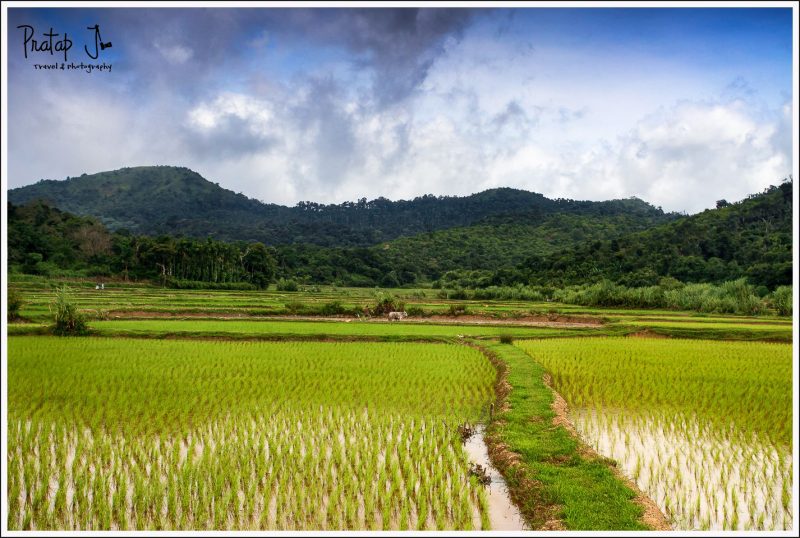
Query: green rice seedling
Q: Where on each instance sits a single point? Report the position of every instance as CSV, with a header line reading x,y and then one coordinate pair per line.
x,y
422,512
243,436
386,510
404,517
483,504
699,425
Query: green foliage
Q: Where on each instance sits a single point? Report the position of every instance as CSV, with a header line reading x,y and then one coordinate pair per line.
x,y
416,311
457,309
156,200
457,294
259,263
67,320
294,307
751,238
202,285
385,302
286,284
506,339
15,302
512,293
781,300
46,241
334,308
733,297
519,240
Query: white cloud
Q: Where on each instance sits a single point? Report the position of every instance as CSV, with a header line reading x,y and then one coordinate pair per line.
x,y
174,54
695,153
256,114
561,122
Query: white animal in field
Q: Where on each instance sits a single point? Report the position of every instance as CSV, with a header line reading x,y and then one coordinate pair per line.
x,y
397,316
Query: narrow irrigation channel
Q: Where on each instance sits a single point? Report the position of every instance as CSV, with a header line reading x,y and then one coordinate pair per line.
x,y
503,513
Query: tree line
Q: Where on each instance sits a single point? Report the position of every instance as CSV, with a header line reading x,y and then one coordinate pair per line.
x,y
750,239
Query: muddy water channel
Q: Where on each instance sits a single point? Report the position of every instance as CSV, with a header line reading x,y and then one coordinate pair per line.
x,y
503,514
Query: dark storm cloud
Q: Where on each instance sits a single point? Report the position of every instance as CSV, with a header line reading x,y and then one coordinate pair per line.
x,y
187,48
402,44
398,45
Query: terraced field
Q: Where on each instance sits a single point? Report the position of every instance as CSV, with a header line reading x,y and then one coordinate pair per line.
x,y
207,410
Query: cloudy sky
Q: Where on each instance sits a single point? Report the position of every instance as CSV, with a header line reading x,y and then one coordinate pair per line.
x,y
680,107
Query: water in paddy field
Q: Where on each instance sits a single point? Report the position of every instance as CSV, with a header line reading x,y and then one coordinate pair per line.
x,y
700,476
503,514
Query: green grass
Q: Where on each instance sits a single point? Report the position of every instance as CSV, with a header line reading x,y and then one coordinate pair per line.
x,y
702,319
748,384
256,329
711,324
123,298
712,330
553,480
119,383
207,430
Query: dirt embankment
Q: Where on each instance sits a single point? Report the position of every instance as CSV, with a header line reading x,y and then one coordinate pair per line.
x,y
653,516
526,321
531,321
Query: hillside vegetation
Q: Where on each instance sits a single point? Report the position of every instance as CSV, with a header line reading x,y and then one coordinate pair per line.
x,y
751,238
625,242
155,200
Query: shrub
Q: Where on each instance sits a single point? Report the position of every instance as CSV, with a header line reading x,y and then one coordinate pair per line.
x,y
781,300
15,302
506,339
459,294
180,284
333,308
416,311
101,314
457,309
286,285
294,307
68,321
385,303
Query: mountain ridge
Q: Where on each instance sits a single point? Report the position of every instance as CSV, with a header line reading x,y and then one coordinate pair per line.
x,y
164,199
751,238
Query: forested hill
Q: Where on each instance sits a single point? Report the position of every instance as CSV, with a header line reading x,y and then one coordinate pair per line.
x,y
751,238
177,201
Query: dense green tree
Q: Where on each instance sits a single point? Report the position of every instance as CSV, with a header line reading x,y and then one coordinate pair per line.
x,y
259,264
621,242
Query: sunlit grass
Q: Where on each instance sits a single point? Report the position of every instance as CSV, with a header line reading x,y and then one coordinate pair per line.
x,y
704,427
145,434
